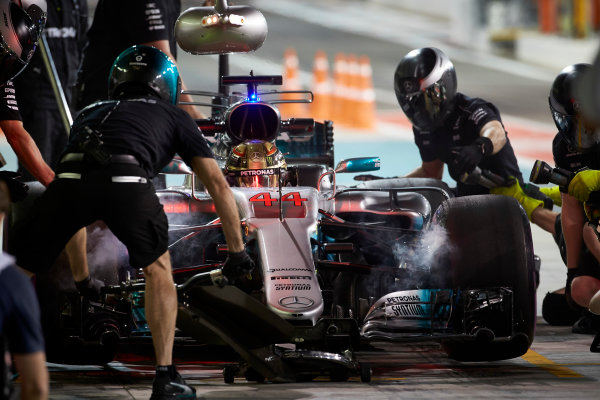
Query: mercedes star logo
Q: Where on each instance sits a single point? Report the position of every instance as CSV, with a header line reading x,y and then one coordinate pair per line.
x,y
295,302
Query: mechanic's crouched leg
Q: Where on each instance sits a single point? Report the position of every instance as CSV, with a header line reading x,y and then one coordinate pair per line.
x,y
161,314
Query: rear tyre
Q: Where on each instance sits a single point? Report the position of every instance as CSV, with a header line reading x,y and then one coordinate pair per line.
x,y
492,247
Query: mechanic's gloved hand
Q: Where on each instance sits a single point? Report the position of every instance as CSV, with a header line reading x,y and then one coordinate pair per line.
x,y
237,266
367,177
584,183
90,288
18,190
554,193
466,158
528,203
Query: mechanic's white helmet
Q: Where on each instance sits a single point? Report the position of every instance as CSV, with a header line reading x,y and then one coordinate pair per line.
x,y
20,29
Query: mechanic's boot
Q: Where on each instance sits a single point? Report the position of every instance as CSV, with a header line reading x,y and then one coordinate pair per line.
x,y
90,288
167,386
588,324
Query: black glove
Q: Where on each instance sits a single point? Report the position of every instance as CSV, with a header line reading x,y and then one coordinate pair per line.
x,y
466,158
90,288
367,177
18,190
237,266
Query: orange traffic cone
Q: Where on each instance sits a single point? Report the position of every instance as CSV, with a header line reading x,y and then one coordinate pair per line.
x,y
340,88
321,87
364,117
352,92
291,81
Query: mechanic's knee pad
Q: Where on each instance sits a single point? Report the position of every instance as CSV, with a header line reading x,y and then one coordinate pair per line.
x,y
556,310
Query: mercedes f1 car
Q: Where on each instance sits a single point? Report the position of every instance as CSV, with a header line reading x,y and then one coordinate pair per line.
x,y
337,268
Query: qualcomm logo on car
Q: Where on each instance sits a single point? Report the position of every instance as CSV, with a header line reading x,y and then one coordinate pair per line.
x,y
296,302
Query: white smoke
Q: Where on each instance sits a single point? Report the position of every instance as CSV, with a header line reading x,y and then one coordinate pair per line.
x,y
106,255
430,248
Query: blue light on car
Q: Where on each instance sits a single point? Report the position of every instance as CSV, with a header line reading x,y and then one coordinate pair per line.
x,y
253,98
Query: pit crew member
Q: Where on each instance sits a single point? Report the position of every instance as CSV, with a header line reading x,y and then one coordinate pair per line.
x,y
65,35
459,131
20,327
115,149
577,146
118,25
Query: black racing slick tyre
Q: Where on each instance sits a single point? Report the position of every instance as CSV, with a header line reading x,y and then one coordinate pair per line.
x,y
491,247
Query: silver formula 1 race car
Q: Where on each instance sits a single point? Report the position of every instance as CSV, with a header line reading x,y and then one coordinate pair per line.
x,y
338,269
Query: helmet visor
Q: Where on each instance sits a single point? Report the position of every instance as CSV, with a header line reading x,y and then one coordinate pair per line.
x,y
426,107
564,123
18,41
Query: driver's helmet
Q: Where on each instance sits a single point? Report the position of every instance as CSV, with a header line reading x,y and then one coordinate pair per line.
x,y
425,86
20,30
144,69
565,106
255,163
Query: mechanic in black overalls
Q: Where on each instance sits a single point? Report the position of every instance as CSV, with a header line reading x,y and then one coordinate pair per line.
x,y
20,327
118,25
459,131
65,34
577,146
115,149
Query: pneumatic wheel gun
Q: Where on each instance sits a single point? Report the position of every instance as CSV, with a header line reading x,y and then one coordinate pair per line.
x,y
543,173
488,179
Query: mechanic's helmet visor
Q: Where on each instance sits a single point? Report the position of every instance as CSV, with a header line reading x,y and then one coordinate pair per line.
x,y
426,108
19,34
581,134
255,178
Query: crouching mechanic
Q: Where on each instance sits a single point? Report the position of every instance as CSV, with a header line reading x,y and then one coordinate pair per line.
x,y
577,146
459,131
105,173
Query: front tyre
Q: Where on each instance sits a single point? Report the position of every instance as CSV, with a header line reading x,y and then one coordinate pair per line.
x,y
491,247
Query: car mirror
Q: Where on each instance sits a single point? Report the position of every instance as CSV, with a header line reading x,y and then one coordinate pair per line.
x,y
360,164
221,29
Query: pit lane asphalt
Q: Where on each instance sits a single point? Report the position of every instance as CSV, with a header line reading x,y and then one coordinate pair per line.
x,y
559,365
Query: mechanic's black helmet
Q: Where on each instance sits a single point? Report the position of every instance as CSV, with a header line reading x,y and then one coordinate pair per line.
x,y
565,106
20,29
425,85
144,68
